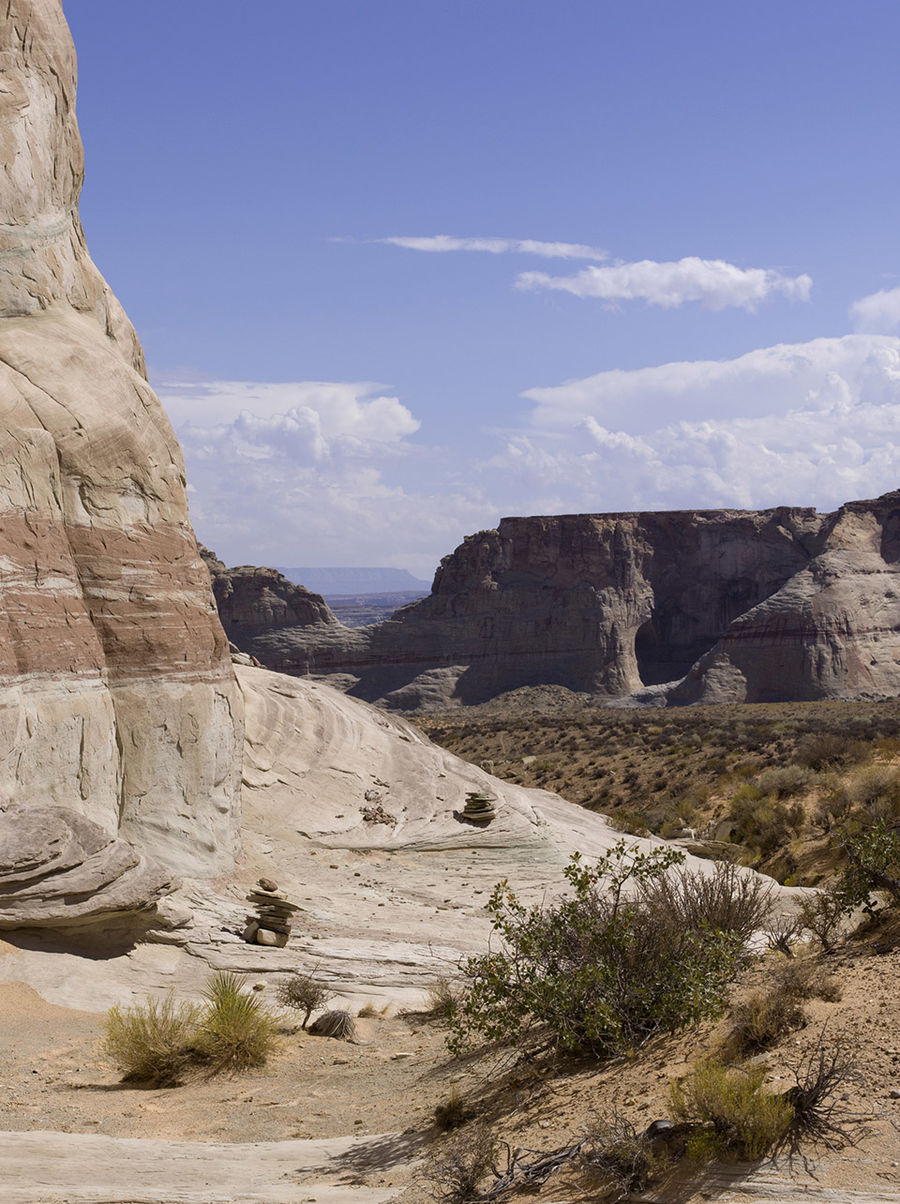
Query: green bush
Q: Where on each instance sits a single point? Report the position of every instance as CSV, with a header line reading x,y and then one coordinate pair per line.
x,y
603,969
235,1031
304,993
745,1120
874,856
152,1042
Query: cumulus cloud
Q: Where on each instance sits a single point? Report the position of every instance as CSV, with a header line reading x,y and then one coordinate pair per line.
x,y
316,472
713,282
497,246
878,313
306,420
331,473
815,423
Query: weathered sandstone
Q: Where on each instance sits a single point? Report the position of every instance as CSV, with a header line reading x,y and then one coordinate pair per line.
x,y
117,698
682,606
60,870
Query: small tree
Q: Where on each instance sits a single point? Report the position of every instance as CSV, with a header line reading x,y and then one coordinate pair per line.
x,y
604,968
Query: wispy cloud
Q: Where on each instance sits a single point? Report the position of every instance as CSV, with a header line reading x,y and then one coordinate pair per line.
x,y
878,313
497,246
715,283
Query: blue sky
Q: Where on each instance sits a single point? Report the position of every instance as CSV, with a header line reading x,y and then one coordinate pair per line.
x,y
671,276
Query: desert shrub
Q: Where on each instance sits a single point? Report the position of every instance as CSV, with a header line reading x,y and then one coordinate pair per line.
x,y
729,899
763,823
152,1042
875,789
235,1030
453,1173
746,1121
820,1115
824,914
626,819
874,856
338,1024
599,970
784,781
826,749
783,932
616,1156
304,993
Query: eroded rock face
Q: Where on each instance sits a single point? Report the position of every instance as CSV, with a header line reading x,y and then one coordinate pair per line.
x,y
686,606
117,697
259,603
60,870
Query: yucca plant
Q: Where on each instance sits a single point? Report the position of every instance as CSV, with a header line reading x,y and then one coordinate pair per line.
x,y
235,1030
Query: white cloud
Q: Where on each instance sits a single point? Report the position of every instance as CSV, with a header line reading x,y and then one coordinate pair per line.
x,y
878,313
713,282
497,246
317,472
306,420
328,473
807,424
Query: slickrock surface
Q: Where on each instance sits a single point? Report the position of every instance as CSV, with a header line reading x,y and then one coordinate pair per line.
x,y
687,606
384,907
117,697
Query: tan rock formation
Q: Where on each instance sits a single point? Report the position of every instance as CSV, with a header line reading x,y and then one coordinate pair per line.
x,y
733,605
116,691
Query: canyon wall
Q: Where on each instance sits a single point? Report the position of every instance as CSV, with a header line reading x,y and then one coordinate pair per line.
x,y
117,697
686,606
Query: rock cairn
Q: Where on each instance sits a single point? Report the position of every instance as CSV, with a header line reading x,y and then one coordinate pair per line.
x,y
479,807
272,923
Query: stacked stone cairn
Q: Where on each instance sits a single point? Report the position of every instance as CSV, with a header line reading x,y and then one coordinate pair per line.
x,y
272,923
479,807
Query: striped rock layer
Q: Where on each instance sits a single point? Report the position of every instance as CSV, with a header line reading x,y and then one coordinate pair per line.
x,y
117,697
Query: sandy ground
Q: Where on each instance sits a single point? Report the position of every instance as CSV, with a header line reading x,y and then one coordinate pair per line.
x,y
350,1123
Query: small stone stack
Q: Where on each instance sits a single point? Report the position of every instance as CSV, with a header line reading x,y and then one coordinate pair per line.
x,y
479,808
272,923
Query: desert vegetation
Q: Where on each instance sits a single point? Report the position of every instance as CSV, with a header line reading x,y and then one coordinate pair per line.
x,y
780,787
159,1041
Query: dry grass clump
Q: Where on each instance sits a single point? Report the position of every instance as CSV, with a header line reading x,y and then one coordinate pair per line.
x,y
442,998
736,1115
338,1024
152,1043
769,1013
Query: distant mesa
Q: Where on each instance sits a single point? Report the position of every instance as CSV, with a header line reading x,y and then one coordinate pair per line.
x,y
692,606
355,582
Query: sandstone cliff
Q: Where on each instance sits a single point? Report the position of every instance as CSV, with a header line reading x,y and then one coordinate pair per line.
x,y
684,606
117,698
